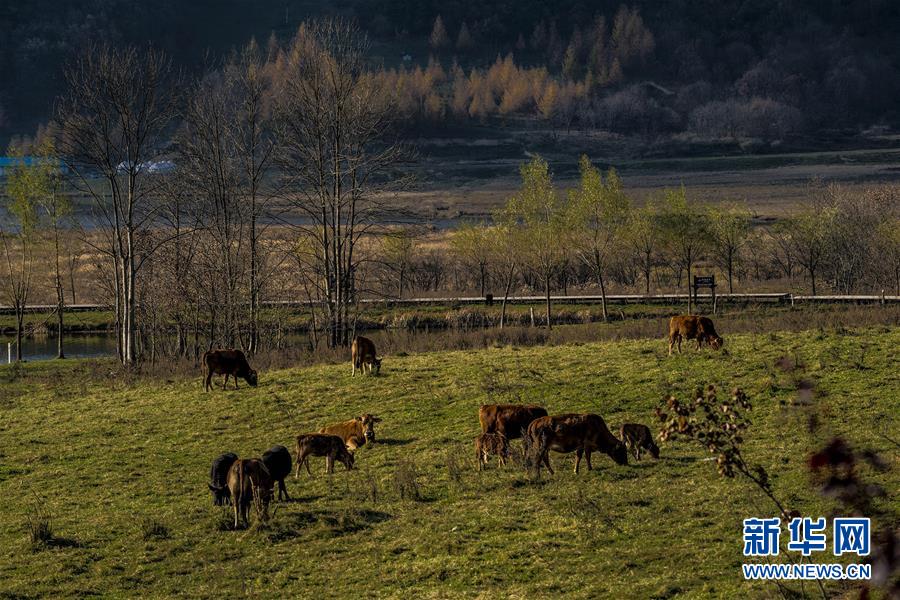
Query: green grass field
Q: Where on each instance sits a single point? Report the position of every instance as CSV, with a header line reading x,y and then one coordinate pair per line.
x,y
121,465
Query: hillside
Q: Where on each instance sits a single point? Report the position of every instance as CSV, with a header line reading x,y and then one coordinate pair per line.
x,y
121,463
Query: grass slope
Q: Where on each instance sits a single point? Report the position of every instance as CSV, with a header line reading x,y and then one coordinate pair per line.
x,y
108,457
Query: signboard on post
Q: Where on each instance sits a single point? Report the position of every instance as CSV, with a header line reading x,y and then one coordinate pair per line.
x,y
706,281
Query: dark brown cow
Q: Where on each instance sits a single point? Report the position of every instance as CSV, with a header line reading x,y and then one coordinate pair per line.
x,y
491,444
322,444
693,327
637,437
362,355
355,432
248,480
511,420
579,433
228,362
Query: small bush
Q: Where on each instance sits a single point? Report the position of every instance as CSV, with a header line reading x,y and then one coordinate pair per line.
x,y
406,481
40,527
152,529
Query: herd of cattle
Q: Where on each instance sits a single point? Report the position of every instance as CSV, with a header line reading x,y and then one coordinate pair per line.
x,y
249,482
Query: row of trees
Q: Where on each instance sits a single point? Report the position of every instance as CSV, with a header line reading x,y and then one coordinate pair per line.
x,y
595,233
179,175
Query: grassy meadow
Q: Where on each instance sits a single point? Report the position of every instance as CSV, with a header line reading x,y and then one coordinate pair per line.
x,y
120,464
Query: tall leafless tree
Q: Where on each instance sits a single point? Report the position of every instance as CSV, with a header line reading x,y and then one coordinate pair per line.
x,y
334,120
117,107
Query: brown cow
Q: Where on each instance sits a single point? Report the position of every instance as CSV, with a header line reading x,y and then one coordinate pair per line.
x,y
362,355
491,444
322,444
511,420
579,433
248,481
692,327
637,437
228,362
355,432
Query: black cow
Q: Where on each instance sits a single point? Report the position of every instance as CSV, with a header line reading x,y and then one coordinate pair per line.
x,y
218,478
277,460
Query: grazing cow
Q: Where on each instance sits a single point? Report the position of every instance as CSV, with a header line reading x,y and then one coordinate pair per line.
x,y
355,432
362,355
322,444
248,481
278,462
637,437
579,433
692,327
228,362
218,478
511,420
491,444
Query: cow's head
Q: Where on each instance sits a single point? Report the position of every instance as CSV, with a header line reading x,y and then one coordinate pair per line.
x,y
619,453
252,378
221,495
376,365
346,457
654,449
368,422
716,342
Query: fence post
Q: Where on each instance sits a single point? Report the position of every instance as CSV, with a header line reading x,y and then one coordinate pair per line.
x,y
792,299
714,298
9,353
882,297
531,310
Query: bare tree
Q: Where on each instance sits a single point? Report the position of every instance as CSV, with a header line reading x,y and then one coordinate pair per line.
x,y
333,125
472,244
644,236
112,118
686,230
538,210
24,185
599,214
729,227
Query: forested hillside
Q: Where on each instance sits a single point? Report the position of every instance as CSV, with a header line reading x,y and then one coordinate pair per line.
x,y
765,69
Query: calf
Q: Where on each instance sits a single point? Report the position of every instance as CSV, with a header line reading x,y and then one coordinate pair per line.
x,y
581,433
692,327
637,437
277,460
249,481
218,478
510,420
362,355
491,444
322,444
355,432
228,362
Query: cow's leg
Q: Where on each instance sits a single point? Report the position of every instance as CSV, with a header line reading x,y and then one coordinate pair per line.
x,y
352,368
235,503
587,458
225,385
578,454
329,464
208,383
546,459
671,344
679,344
699,343
235,377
